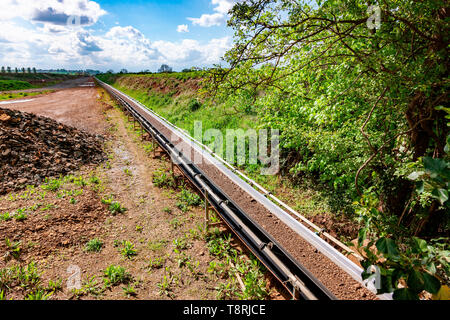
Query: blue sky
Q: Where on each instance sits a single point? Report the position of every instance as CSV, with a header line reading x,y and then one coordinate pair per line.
x,y
113,34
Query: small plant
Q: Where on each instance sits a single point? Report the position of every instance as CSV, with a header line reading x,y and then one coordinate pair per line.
x,y
156,263
54,286
38,295
167,210
5,216
128,250
128,172
129,291
72,201
94,245
94,180
20,214
139,228
115,208
52,184
175,223
187,199
13,248
108,200
114,275
157,245
162,179
181,243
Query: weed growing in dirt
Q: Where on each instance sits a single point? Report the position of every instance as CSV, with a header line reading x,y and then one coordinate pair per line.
x,y
156,263
157,245
186,199
139,228
115,208
167,210
38,295
54,285
175,223
129,291
128,250
13,248
5,216
52,184
128,172
182,243
165,286
250,270
163,179
94,245
114,275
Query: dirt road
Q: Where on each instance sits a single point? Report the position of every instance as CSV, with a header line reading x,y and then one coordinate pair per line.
x,y
73,103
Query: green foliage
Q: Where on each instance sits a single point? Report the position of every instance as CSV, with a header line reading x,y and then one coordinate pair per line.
x,y
187,199
128,250
13,248
419,265
14,85
94,245
163,179
115,208
194,105
114,275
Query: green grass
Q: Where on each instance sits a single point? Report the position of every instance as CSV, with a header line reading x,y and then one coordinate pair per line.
x,y
114,275
94,245
6,85
9,96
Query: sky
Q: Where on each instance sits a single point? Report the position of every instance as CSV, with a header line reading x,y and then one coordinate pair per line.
x,y
113,34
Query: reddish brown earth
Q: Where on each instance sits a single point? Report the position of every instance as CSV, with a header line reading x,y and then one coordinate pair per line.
x,y
75,106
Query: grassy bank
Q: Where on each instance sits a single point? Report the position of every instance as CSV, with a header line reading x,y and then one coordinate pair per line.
x,y
6,85
22,81
10,96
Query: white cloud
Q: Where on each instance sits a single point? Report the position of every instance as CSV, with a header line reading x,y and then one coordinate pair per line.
x,y
51,44
183,28
216,19
53,12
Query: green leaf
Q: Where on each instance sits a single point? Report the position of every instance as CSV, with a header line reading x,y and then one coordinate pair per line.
x,y
420,186
434,166
440,194
388,247
404,294
431,283
362,234
421,244
415,281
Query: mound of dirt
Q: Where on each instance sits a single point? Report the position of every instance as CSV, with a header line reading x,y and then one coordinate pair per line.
x,y
33,148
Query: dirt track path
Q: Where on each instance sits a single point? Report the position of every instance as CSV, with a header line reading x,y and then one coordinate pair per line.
x,y
74,103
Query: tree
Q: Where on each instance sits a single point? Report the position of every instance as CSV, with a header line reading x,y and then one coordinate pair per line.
x,y
29,70
3,69
123,71
8,69
23,70
359,104
34,70
16,70
164,68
